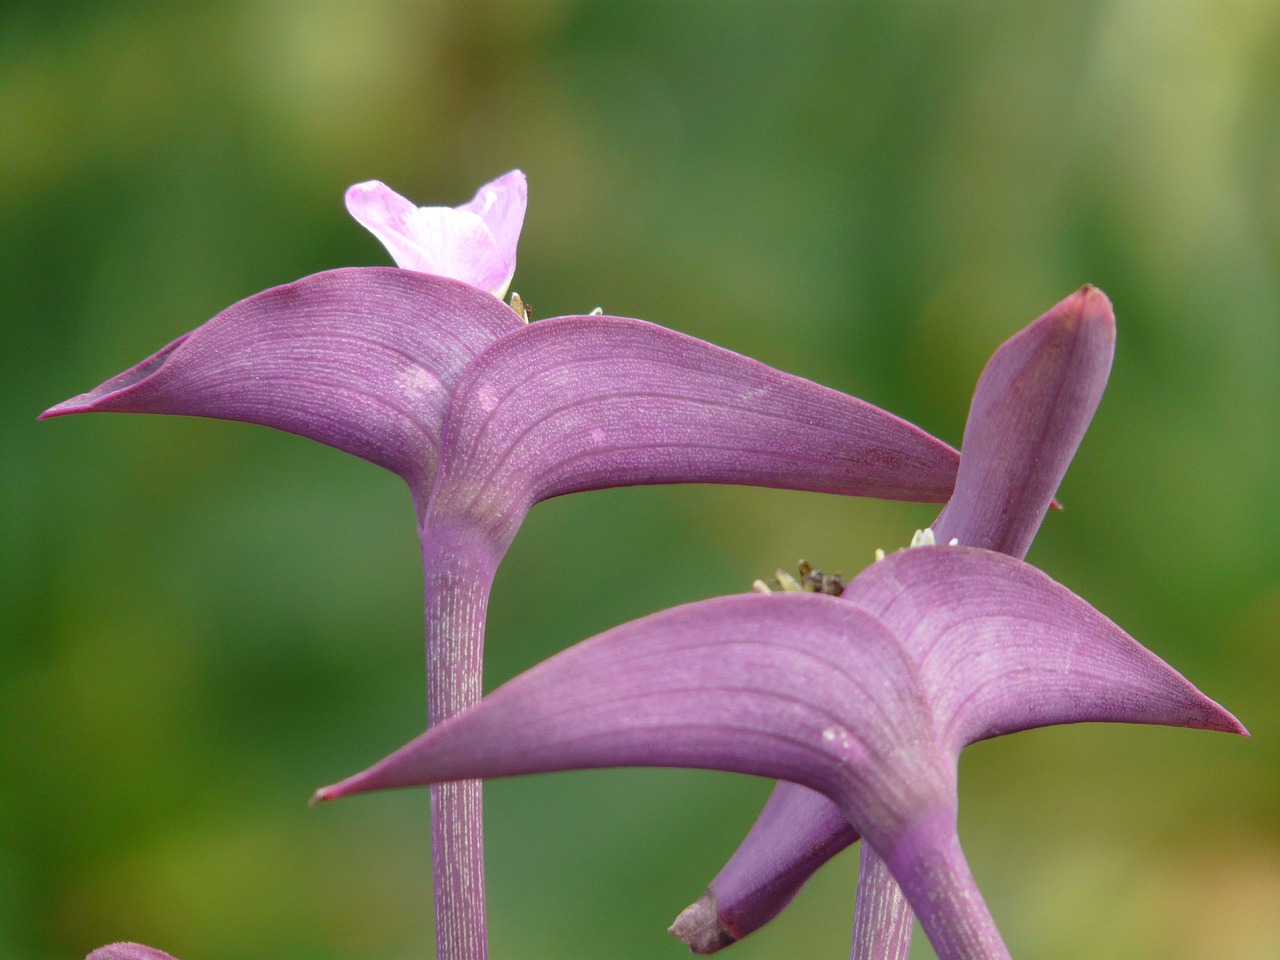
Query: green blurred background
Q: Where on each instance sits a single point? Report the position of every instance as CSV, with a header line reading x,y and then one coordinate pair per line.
x,y
203,621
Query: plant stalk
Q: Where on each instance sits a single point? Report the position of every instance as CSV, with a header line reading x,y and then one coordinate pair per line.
x,y
935,879
882,918
458,570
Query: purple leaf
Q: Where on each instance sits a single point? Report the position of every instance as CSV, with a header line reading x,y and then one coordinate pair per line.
x,y
582,403
751,684
1020,651
825,692
1030,410
798,831
368,360
362,359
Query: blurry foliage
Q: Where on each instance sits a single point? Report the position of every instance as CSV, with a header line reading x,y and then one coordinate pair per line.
x,y
202,621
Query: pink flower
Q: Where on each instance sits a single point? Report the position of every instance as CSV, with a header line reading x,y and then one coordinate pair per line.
x,y
474,243
128,951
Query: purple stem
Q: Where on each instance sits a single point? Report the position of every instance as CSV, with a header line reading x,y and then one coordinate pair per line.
x,y
882,919
458,569
934,874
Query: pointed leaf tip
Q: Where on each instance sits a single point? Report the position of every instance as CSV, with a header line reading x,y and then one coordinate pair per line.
x,y
1020,649
699,927
682,688
361,359
324,794
797,832
99,399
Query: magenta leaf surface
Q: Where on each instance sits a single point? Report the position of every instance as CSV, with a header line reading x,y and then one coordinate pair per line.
x,y
827,693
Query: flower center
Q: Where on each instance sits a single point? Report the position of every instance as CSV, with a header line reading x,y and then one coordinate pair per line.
x,y
921,538
811,580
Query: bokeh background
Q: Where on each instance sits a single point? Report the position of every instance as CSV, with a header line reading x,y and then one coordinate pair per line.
x,y
200,622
